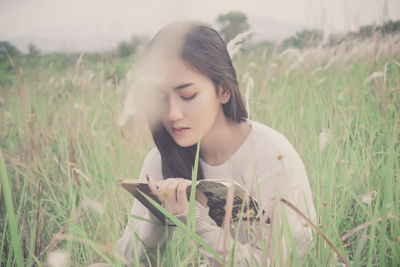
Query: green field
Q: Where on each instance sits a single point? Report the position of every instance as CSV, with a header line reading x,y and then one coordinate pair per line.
x,y
62,151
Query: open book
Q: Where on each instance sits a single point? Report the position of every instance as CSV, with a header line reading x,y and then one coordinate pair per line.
x,y
244,207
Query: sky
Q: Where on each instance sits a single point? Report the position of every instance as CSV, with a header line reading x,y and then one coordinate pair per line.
x,y
97,24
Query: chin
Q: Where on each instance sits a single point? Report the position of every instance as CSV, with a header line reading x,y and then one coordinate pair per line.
x,y
183,143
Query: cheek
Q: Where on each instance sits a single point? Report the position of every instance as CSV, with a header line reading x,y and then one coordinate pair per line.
x,y
205,110
208,102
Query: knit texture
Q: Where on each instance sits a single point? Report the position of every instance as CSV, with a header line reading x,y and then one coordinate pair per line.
x,y
268,166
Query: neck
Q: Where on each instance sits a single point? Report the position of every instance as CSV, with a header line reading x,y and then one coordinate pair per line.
x,y
223,140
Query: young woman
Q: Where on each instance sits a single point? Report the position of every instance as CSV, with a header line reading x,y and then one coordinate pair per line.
x,y
198,98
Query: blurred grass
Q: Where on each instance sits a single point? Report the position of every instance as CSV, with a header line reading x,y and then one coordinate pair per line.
x,y
63,152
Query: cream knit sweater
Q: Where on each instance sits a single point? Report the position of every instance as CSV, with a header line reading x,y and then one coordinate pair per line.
x,y
269,167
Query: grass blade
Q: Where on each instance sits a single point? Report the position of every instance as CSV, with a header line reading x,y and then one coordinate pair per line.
x,y
184,227
12,220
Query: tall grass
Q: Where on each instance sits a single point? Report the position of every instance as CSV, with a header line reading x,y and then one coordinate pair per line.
x,y
63,154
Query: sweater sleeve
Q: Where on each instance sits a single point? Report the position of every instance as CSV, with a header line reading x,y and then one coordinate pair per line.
x,y
139,234
290,183
248,254
250,250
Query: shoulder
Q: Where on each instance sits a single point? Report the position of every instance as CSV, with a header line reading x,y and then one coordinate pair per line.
x,y
153,157
264,136
272,150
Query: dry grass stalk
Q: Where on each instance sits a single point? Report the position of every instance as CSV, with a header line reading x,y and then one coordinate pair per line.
x,y
56,237
19,163
363,226
76,71
301,214
227,220
373,76
270,213
74,168
104,248
38,217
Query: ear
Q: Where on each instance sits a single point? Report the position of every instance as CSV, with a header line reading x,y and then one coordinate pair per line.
x,y
223,95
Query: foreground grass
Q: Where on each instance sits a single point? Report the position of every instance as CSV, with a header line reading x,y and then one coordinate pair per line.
x,y
63,154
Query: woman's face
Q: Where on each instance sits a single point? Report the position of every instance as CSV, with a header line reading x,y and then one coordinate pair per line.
x,y
190,104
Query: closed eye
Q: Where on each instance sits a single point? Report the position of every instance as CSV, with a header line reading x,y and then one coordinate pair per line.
x,y
189,98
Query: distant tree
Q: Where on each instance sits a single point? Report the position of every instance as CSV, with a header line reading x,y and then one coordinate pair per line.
x,y
304,38
9,48
33,50
367,30
127,48
232,24
391,27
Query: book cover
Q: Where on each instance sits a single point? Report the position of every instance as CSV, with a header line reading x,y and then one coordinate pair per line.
x,y
244,207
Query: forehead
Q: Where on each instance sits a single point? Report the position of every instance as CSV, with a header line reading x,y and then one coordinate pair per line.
x,y
177,72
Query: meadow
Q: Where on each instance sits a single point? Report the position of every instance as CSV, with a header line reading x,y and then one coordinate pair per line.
x,y
62,151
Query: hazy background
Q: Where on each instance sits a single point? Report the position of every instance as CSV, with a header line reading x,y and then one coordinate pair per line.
x,y
96,25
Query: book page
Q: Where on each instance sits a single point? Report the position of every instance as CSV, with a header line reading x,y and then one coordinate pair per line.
x,y
244,206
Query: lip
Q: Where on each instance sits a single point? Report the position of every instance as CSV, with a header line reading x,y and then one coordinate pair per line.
x,y
179,130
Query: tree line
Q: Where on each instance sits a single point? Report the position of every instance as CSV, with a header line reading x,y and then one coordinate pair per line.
x,y
229,24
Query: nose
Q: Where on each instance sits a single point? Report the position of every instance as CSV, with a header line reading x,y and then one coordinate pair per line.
x,y
175,110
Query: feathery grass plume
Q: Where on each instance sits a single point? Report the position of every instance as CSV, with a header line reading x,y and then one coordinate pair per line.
x,y
321,80
291,51
236,43
330,63
368,198
58,258
77,71
94,205
317,69
78,106
74,168
373,76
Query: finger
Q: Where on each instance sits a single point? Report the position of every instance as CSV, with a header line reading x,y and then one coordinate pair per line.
x,y
181,189
172,188
182,195
152,186
166,190
163,184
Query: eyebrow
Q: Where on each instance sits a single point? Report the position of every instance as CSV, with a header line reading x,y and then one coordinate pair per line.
x,y
180,87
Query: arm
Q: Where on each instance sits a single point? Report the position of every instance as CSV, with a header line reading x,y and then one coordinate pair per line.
x,y
138,234
289,183
172,192
248,254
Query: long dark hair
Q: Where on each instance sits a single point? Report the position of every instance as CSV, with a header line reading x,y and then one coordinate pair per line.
x,y
204,49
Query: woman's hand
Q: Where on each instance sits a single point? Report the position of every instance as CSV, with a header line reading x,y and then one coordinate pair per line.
x,y
172,193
